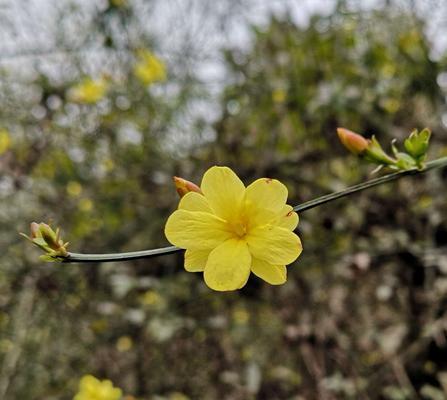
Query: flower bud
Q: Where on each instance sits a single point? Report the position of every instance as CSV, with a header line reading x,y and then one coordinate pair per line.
x,y
417,144
35,231
44,237
354,142
183,186
49,236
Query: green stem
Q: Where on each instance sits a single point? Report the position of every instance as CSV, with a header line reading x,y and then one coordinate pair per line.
x,y
77,257
438,163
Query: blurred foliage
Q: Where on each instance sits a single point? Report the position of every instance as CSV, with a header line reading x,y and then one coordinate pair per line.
x,y
363,312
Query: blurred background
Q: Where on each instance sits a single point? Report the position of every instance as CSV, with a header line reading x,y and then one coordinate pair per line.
x,y
101,102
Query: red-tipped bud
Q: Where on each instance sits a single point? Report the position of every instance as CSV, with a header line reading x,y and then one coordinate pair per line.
x,y
183,186
354,142
35,230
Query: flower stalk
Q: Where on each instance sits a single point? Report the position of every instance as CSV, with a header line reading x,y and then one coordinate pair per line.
x,y
82,258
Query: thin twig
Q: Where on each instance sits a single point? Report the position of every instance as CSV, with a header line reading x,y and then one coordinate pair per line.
x,y
438,163
80,258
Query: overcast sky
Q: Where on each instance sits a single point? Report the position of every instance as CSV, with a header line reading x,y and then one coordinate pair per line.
x,y
27,26
202,26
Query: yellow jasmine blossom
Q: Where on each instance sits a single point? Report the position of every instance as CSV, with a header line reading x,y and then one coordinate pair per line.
x,y
91,388
88,91
149,68
229,230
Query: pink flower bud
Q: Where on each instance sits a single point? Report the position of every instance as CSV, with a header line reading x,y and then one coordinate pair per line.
x,y
354,142
183,186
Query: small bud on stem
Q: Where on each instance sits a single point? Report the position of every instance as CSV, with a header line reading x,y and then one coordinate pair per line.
x,y
371,150
417,145
44,237
184,186
354,142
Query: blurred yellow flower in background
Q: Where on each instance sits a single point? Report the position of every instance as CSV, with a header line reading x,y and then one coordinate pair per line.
x,y
241,316
85,205
5,141
149,68
118,3
230,230
151,298
88,91
124,343
279,95
91,388
74,189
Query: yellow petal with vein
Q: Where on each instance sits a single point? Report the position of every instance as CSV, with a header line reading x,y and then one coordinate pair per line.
x,y
195,260
195,230
264,199
224,192
267,193
273,274
228,266
288,218
277,246
193,201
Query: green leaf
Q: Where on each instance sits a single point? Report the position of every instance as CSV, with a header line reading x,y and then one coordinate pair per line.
x,y
376,154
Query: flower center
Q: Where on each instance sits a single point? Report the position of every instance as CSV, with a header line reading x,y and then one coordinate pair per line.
x,y
239,228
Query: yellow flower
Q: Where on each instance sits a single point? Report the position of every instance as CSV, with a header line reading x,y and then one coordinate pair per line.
x,y
88,91
230,230
91,388
149,68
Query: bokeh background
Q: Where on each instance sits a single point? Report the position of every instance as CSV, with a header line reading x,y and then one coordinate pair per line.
x,y
259,86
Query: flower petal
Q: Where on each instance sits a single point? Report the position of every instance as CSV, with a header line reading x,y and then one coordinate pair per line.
x,y
264,199
277,246
195,230
228,266
273,274
195,260
193,201
288,218
224,192
267,193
